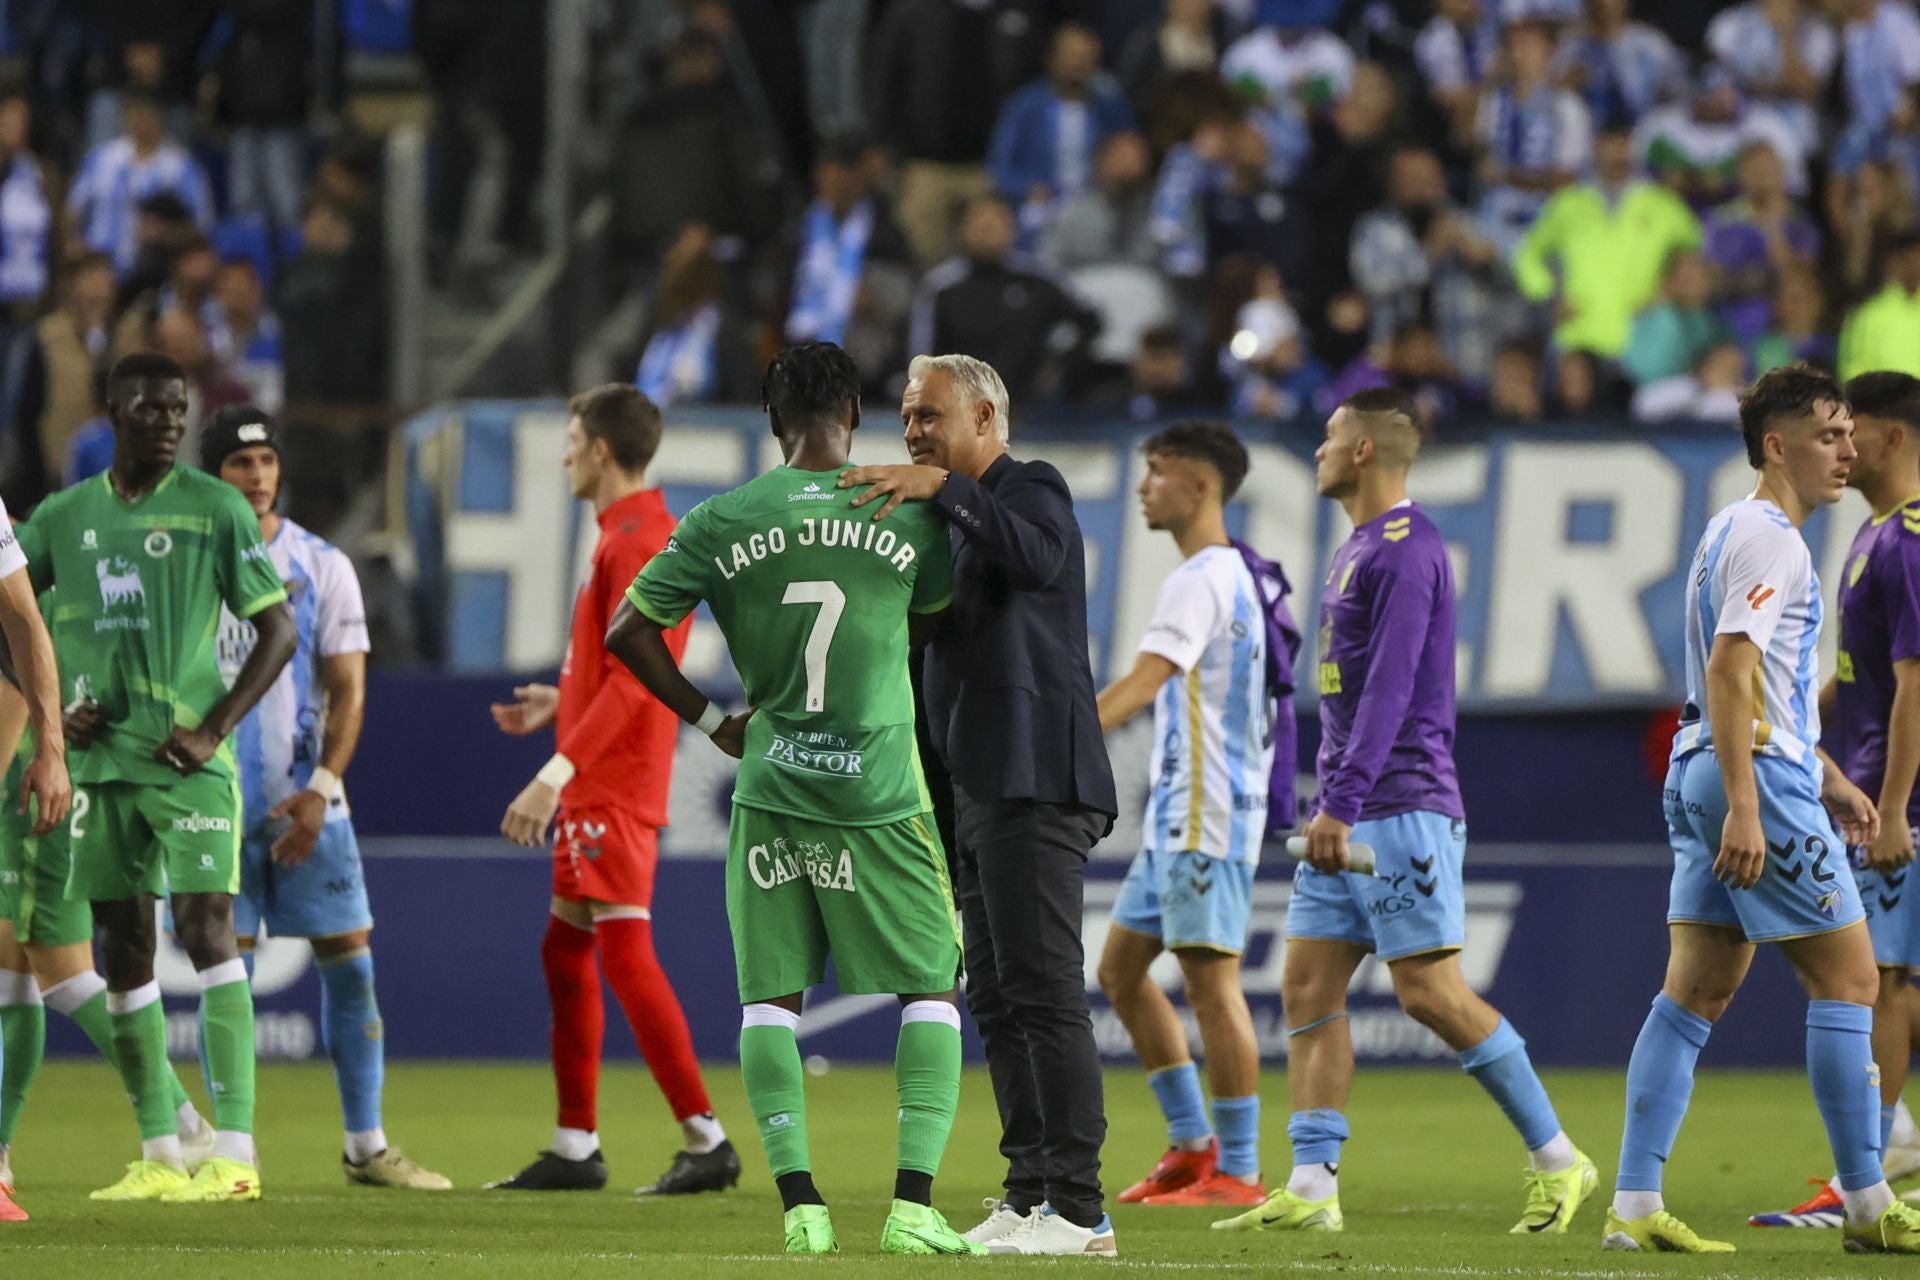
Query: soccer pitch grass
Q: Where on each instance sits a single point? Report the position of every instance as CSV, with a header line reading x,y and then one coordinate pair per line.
x,y
1431,1184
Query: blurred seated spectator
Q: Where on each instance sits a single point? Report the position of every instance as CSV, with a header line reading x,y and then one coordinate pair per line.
x,y
835,248
1049,133
1245,212
1709,392
1457,52
1755,238
1670,337
1621,68
1111,222
1694,146
117,175
694,353
1264,357
1579,390
151,47
65,356
1599,247
245,334
1195,163
1345,178
1277,64
1412,361
1187,38
1158,381
1880,40
1884,331
1022,324
1867,211
1533,138
1799,328
1781,53
1513,393
188,286
26,217
333,314
163,229
263,93
1419,256
178,333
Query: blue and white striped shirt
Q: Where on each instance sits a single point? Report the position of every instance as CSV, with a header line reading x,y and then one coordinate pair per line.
x,y
112,183
26,225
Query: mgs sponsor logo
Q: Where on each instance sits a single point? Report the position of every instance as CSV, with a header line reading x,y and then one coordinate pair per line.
x,y
199,824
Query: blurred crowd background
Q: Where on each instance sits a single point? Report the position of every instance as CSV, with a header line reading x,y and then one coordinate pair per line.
x,y
1520,210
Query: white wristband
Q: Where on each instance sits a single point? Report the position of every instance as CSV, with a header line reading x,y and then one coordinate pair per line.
x,y
710,719
326,782
557,772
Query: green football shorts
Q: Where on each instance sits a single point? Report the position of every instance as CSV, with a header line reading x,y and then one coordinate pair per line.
x,y
33,876
132,838
877,899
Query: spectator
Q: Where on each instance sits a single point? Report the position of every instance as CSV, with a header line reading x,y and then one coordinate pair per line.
x,y
1867,211
1420,257
833,34
1670,337
1881,43
1048,134
1598,250
688,358
1112,222
1265,356
1622,68
1158,383
1533,138
163,229
26,217
1780,53
1800,330
1282,65
117,175
1345,179
840,242
1576,385
65,356
1884,331
1195,164
1709,392
149,48
1694,146
1412,361
263,92
333,315
245,334
1457,52
940,104
1753,239
1187,38
1022,324
179,334
1246,212
1513,394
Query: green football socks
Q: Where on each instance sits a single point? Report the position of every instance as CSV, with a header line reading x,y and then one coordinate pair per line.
x,y
140,1053
775,1083
226,1016
926,1069
23,1040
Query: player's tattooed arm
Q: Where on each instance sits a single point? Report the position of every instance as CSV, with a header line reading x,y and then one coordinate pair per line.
x,y
186,751
637,641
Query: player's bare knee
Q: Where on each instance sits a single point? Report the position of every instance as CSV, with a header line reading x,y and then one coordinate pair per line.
x,y
203,922
1310,997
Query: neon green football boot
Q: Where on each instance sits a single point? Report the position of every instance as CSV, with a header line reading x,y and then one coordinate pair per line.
x,y
1658,1232
144,1180
1897,1231
1553,1198
918,1228
1285,1211
218,1181
810,1230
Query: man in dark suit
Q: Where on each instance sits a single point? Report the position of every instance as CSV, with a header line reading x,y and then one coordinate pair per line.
x,y
1010,706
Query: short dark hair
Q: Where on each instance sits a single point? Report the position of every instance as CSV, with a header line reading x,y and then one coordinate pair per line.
x,y
136,365
1161,337
809,383
623,416
1789,391
1886,393
1210,442
1383,401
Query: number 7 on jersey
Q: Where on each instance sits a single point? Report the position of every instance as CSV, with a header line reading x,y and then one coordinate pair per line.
x,y
832,601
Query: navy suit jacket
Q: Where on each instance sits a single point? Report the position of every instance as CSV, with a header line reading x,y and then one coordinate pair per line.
x,y
1009,690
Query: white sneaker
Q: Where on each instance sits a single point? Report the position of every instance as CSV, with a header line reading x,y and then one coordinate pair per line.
x,y
1048,1234
1001,1222
1902,1160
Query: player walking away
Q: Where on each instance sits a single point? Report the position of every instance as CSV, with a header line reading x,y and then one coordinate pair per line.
x,y
300,871
1386,779
143,557
1870,722
1756,857
1202,667
608,784
833,848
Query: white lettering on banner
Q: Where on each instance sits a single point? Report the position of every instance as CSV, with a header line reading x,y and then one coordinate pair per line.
x,y
1598,584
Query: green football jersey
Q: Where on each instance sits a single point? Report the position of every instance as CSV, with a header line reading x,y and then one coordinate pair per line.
x,y
813,597
138,608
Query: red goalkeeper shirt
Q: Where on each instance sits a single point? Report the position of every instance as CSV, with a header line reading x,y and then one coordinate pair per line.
x,y
618,735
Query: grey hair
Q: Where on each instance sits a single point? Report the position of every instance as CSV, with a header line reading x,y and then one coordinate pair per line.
x,y
975,380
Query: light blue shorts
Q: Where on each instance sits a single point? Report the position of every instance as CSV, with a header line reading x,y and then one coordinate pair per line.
x,y
323,896
1893,914
1807,886
1187,900
1415,902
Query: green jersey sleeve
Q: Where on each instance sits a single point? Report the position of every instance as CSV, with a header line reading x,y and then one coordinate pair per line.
x,y
933,584
32,533
674,582
242,569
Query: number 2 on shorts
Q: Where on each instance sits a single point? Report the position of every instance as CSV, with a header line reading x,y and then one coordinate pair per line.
x,y
832,601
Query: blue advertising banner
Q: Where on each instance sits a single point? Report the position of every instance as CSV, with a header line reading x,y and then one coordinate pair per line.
x,y
1570,944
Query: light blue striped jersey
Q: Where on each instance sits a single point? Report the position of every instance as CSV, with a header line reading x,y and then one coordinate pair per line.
x,y
1753,576
278,745
1212,745
113,180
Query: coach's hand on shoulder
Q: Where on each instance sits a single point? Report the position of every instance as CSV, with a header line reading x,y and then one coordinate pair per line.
x,y
81,724
186,751
731,736
530,814
1743,848
897,484
1327,843
1853,813
531,710
307,810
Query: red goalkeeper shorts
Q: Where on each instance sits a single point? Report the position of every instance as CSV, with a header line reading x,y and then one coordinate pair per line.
x,y
606,855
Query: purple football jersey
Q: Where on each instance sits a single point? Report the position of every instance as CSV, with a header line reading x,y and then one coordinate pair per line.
x,y
1879,626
